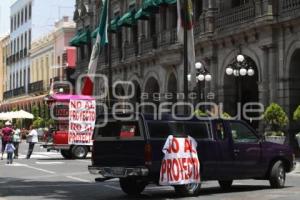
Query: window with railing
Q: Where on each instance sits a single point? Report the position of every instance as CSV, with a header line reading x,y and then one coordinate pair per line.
x,y
237,3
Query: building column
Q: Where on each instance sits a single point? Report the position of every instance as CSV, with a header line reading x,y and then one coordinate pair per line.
x,y
263,87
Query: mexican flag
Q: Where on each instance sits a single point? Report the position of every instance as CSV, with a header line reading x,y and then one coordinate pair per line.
x,y
101,40
190,33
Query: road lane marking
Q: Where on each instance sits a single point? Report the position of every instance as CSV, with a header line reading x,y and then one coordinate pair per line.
x,y
46,186
36,168
49,163
78,179
85,161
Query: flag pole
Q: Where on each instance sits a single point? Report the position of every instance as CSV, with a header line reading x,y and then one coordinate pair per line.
x,y
110,96
185,56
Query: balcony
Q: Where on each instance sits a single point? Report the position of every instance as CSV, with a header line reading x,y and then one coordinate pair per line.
x,y
37,86
235,16
19,91
116,55
21,54
289,7
147,45
8,94
130,50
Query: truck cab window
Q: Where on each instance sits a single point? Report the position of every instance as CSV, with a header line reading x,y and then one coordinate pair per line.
x,y
241,133
198,130
220,131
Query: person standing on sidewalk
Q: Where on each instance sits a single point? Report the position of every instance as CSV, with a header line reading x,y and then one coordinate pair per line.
x,y
16,141
6,136
9,149
32,138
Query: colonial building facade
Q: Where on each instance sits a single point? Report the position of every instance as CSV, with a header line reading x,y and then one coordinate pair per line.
x,y
147,51
4,54
49,59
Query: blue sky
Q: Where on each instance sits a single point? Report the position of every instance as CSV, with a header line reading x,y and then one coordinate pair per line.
x,y
4,15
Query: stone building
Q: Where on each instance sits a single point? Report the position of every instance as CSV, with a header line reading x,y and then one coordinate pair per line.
x,y
146,50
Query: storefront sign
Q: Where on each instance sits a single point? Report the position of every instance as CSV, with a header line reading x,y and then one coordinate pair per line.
x,y
180,164
82,116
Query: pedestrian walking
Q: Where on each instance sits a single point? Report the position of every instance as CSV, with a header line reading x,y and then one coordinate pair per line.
x,y
9,149
6,135
16,141
32,138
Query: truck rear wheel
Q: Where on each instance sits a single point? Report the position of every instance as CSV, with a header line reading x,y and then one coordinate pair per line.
x,y
132,186
225,185
277,175
188,189
66,153
79,152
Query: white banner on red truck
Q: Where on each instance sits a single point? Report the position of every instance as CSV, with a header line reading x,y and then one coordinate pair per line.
x,y
82,117
180,164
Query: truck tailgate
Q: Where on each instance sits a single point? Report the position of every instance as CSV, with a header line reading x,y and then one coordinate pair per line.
x,y
128,153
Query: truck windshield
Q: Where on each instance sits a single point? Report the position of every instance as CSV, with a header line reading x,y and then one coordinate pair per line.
x,y
118,130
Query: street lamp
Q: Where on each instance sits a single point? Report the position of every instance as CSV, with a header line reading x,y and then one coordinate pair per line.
x,y
240,68
202,76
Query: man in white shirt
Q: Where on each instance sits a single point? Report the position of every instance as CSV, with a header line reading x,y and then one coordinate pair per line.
x,y
32,138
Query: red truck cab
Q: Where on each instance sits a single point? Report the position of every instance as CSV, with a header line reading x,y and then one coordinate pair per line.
x,y
58,136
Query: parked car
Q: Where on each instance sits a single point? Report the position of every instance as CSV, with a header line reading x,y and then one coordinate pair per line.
x,y
227,149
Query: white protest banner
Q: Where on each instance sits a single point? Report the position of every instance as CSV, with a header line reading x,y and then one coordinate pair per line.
x,y
82,116
180,165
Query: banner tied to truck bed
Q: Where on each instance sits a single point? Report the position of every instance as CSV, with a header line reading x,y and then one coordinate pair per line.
x,y
82,117
180,164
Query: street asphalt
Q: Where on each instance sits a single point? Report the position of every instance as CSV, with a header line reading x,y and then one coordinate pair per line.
x,y
48,176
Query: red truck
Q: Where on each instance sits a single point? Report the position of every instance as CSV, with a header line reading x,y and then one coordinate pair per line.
x,y
73,144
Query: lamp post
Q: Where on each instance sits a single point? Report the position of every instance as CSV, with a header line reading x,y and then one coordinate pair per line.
x,y
202,76
240,68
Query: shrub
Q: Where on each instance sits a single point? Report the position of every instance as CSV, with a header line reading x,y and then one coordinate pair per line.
x,y
275,117
199,113
225,115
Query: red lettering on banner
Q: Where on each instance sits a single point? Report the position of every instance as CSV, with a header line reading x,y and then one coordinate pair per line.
x,y
76,127
175,164
196,168
89,105
188,146
163,170
169,167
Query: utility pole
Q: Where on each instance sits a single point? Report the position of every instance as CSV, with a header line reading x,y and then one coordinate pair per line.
x,y
186,63
110,95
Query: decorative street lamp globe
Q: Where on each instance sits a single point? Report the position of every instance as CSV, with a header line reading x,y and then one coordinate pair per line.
x,y
250,72
243,72
198,65
236,72
229,70
189,77
240,58
201,77
208,77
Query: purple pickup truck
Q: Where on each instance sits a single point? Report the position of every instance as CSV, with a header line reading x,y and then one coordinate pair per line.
x,y
228,150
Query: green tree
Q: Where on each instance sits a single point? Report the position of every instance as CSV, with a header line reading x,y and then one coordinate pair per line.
x,y
275,117
39,122
296,115
35,111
